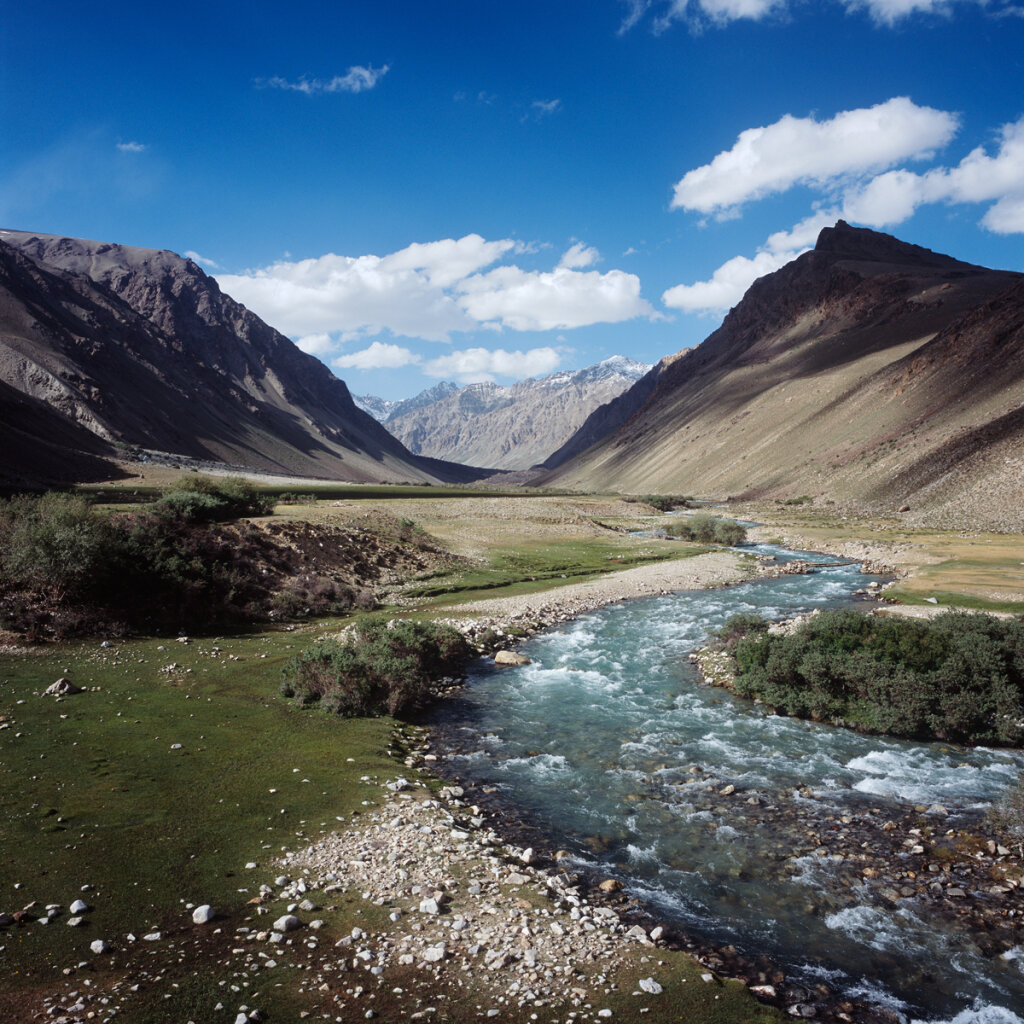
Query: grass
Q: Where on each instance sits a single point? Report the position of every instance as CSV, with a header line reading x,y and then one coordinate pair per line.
x,y
535,568
93,793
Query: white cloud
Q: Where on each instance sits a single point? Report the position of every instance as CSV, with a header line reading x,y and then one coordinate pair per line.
x,y
802,150
892,197
472,365
132,147
731,280
379,356
203,261
542,301
428,290
578,256
544,107
698,13
316,344
356,79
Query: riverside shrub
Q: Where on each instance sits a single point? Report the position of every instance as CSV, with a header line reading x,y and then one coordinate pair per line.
x,y
707,529
205,499
958,677
385,668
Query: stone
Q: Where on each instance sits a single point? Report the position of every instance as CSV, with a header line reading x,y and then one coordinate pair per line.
x,y
432,954
98,946
152,937
430,906
63,687
611,885
204,914
510,658
650,985
287,923
74,922
78,907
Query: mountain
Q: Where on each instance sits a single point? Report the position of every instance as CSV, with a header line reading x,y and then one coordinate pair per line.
x,y
868,371
139,347
378,408
511,427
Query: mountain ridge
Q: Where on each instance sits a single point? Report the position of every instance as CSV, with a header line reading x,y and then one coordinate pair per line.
x,y
835,376
141,347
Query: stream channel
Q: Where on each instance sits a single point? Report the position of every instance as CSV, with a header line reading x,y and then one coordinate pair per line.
x,y
610,745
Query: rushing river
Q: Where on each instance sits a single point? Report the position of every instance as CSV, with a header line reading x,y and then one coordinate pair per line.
x,y
607,741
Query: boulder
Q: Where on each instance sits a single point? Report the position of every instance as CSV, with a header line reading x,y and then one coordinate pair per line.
x,y
510,658
287,923
63,687
203,914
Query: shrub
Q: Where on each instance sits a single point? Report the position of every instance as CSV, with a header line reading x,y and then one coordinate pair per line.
x,y
958,677
384,669
665,502
740,625
706,529
204,499
54,541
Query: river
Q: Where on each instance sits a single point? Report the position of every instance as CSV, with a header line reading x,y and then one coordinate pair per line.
x,y
610,745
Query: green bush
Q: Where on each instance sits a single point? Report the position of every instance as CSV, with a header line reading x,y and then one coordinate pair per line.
x,y
53,541
706,529
205,499
384,669
958,677
740,625
665,502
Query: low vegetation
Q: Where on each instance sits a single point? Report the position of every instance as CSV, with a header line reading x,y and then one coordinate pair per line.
x,y
664,502
707,529
958,677
68,569
382,668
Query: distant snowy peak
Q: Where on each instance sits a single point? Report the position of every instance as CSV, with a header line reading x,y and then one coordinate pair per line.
x,y
378,408
607,369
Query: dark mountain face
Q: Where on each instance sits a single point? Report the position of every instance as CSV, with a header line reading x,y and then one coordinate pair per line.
x,y
141,347
859,371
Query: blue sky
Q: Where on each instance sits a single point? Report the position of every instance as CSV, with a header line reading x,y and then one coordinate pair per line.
x,y
469,189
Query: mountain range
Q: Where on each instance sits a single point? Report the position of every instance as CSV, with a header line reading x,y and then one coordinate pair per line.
x,y
867,371
510,428
110,347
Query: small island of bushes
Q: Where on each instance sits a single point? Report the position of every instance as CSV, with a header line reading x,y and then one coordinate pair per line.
x,y
958,677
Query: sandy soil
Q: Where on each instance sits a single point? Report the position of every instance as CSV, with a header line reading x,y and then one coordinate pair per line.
x,y
716,568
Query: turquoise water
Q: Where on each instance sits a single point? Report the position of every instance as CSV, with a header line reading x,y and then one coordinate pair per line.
x,y
607,741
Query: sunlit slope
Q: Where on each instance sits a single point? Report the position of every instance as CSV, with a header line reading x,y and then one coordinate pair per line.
x,y
867,370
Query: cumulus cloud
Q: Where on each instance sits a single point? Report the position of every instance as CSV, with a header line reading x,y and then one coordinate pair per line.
x,y
316,344
473,365
579,255
731,280
378,356
356,79
132,147
979,177
203,261
542,301
803,150
429,290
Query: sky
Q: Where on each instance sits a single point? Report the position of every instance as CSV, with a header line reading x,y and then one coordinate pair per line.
x,y
467,190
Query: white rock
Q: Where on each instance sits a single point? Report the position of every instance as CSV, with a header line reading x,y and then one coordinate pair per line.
x,y
432,954
287,923
152,937
203,914
429,906
74,922
98,946
650,985
78,907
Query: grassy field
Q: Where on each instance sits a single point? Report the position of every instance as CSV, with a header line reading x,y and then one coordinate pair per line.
x,y
982,571
179,764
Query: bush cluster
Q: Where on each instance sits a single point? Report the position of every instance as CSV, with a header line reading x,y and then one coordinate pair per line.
x,y
707,529
207,499
958,677
664,502
386,668
65,568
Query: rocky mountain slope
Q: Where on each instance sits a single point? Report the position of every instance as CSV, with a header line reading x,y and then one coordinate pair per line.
x,y
868,371
113,345
508,427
